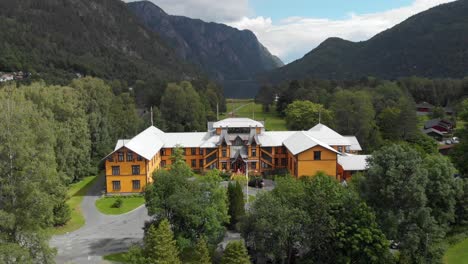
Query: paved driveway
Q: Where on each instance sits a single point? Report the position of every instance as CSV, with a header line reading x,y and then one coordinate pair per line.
x,y
102,234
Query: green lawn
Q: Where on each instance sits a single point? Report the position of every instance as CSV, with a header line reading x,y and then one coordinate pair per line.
x,y
457,254
76,193
116,257
104,205
247,108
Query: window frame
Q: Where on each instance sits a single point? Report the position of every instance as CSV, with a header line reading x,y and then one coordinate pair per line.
x,y
133,184
129,156
120,156
317,155
116,183
114,169
253,152
193,151
136,167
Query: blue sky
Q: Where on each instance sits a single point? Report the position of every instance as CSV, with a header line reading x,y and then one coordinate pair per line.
x,y
332,9
292,28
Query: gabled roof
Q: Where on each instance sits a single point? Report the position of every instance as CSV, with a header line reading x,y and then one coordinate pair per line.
x,y
353,162
302,141
185,139
274,138
237,123
147,143
328,135
121,143
354,143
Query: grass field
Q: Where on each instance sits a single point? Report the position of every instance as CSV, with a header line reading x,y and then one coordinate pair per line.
x,y
76,192
104,205
116,257
457,254
248,108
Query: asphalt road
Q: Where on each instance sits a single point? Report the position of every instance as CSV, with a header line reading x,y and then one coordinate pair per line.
x,y
102,234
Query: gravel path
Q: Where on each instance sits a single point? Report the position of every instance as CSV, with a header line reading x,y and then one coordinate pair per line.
x,y
102,234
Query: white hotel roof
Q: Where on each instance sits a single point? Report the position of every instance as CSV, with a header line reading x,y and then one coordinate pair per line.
x,y
151,140
237,123
302,141
353,162
328,135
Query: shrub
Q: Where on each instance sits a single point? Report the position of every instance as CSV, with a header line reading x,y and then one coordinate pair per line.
x,y
62,214
118,203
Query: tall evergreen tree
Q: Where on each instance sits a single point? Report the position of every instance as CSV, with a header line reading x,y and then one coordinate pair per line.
x,y
235,253
236,204
160,246
201,254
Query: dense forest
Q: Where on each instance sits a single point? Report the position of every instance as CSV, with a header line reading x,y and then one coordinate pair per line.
x,y
376,111
430,44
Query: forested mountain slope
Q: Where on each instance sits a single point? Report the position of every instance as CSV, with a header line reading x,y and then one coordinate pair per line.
x,y
430,44
59,38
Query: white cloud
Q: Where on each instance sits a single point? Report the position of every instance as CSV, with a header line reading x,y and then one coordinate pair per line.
x,y
291,38
208,10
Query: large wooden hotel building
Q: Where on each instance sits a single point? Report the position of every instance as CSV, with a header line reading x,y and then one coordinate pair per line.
x,y
233,144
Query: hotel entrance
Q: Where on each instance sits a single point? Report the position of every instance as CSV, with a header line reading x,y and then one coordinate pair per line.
x,y
238,166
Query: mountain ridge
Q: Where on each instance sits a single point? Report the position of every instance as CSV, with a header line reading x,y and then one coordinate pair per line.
x,y
429,44
61,38
224,52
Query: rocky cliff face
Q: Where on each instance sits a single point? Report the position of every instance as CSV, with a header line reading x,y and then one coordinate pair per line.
x,y
225,53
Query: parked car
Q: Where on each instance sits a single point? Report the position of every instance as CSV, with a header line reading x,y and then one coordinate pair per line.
x,y
257,182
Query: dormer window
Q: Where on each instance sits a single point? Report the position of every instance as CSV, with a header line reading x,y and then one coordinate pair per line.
x,y
238,141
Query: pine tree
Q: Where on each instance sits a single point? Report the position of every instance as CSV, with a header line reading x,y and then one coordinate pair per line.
x,y
201,254
235,253
160,246
236,204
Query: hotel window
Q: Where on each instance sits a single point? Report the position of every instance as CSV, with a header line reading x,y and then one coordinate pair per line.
x,y
163,164
194,163
224,165
276,162
340,148
139,158
136,170
201,151
200,162
193,151
136,185
115,170
116,185
223,153
121,156
163,152
253,165
254,152
129,156
317,155
347,149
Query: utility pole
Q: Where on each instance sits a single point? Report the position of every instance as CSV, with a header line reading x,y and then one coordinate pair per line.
x,y
217,111
253,111
151,109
